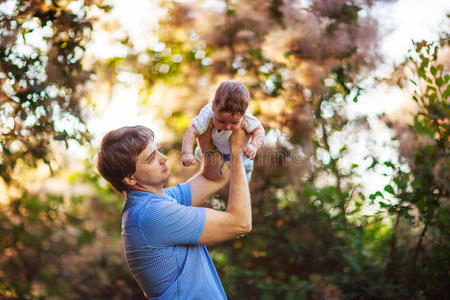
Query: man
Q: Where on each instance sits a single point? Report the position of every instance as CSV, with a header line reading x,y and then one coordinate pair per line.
x,y
165,230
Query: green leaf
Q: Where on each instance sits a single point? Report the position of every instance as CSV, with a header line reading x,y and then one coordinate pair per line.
x,y
446,78
384,204
389,164
61,136
433,70
423,128
421,73
230,12
373,164
375,195
446,93
388,188
343,149
432,97
353,212
429,87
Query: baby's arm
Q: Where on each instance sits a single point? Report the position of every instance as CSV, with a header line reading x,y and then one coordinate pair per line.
x,y
257,141
187,149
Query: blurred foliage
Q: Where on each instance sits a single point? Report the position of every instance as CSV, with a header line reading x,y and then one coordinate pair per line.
x,y
42,44
68,247
302,65
422,191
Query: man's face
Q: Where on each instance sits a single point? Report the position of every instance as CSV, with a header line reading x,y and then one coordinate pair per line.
x,y
226,120
151,168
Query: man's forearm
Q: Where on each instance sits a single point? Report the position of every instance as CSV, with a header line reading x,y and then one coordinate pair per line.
x,y
237,219
208,181
239,204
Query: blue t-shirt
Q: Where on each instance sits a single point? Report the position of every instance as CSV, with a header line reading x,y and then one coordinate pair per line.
x,y
160,235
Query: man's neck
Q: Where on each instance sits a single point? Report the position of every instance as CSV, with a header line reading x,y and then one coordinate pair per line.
x,y
151,189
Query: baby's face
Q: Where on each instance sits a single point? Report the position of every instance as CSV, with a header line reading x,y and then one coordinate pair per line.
x,y
227,121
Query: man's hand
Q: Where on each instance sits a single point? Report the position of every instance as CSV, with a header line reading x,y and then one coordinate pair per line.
x,y
238,140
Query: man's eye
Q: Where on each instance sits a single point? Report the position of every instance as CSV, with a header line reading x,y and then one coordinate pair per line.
x,y
162,150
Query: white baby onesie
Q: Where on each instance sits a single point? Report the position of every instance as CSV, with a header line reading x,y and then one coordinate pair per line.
x,y
221,139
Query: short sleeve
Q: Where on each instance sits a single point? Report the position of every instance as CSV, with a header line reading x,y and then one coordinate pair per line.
x,y
250,122
201,121
181,193
166,223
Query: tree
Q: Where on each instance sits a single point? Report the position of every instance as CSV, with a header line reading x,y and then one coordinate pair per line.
x,y
42,44
422,189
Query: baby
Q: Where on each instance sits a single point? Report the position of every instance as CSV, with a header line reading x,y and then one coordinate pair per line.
x,y
227,112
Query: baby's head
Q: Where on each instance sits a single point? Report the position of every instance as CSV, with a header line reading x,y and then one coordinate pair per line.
x,y
229,105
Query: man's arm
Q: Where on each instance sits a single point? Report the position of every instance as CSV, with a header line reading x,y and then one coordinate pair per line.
x,y
209,180
237,219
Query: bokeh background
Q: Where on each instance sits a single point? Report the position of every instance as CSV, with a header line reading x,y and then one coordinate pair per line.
x,y
350,191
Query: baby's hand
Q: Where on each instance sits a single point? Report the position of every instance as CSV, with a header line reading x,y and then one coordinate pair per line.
x,y
188,159
250,151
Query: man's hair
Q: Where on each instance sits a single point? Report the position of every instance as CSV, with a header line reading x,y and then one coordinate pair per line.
x,y
119,151
231,96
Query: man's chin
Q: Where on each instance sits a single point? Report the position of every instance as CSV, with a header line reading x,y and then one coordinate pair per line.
x,y
166,178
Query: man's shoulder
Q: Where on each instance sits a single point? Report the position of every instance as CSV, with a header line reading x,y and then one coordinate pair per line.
x,y
181,193
142,196
137,201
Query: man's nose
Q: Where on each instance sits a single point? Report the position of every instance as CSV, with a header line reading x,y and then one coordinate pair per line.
x,y
228,127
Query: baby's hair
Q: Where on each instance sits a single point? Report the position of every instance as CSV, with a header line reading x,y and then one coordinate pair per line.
x,y
231,96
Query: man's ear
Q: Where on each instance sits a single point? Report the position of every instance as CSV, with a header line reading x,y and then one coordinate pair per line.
x,y
129,180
